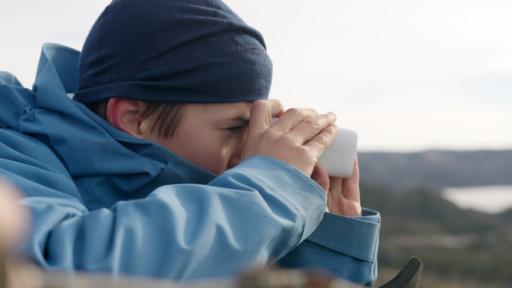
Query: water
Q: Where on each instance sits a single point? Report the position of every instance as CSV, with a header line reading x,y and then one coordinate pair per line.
x,y
489,199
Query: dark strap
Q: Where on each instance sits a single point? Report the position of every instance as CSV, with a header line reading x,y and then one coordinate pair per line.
x,y
408,277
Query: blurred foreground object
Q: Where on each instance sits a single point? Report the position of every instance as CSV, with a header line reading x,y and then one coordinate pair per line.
x,y
12,217
408,277
12,225
289,278
24,276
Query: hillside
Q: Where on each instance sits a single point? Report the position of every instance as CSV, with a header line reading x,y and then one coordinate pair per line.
x,y
458,246
436,169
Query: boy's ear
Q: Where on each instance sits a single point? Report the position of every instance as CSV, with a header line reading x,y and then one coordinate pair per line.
x,y
125,114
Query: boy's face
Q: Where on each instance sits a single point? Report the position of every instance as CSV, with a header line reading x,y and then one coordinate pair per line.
x,y
210,135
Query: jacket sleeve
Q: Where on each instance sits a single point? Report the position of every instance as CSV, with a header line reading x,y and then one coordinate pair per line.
x,y
254,212
345,246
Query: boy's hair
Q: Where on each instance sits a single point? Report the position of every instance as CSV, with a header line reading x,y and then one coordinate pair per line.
x,y
164,117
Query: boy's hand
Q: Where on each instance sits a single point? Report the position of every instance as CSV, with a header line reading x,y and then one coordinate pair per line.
x,y
343,197
298,137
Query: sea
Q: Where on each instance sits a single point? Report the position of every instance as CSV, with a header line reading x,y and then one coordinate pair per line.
x,y
489,199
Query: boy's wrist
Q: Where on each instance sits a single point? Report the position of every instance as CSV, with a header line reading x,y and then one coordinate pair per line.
x,y
347,209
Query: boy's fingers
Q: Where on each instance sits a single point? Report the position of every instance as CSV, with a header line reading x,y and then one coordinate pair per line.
x,y
334,195
322,140
261,116
350,183
291,118
276,107
310,127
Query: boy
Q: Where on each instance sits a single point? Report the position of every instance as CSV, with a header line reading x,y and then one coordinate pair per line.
x,y
188,177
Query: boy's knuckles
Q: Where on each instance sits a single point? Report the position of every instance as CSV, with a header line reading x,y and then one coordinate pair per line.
x,y
261,105
293,111
313,122
301,113
275,104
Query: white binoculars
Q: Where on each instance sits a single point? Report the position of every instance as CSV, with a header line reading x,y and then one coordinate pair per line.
x,y
339,158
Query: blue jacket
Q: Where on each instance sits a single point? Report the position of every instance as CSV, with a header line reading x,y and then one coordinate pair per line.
x,y
104,201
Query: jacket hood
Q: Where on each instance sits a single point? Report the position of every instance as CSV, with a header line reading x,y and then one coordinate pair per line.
x,y
106,164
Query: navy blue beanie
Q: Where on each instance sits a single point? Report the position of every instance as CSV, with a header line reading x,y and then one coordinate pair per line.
x,y
180,51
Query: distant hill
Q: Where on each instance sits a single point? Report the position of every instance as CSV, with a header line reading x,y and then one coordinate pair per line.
x,y
436,169
458,245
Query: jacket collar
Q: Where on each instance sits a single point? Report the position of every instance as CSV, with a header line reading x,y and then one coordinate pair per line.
x,y
98,156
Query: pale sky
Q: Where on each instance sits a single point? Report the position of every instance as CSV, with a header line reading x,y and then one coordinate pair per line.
x,y
406,74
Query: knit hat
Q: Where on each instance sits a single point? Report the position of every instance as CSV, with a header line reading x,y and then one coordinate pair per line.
x,y
184,51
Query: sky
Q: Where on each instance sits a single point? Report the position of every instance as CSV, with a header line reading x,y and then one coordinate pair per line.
x,y
407,75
